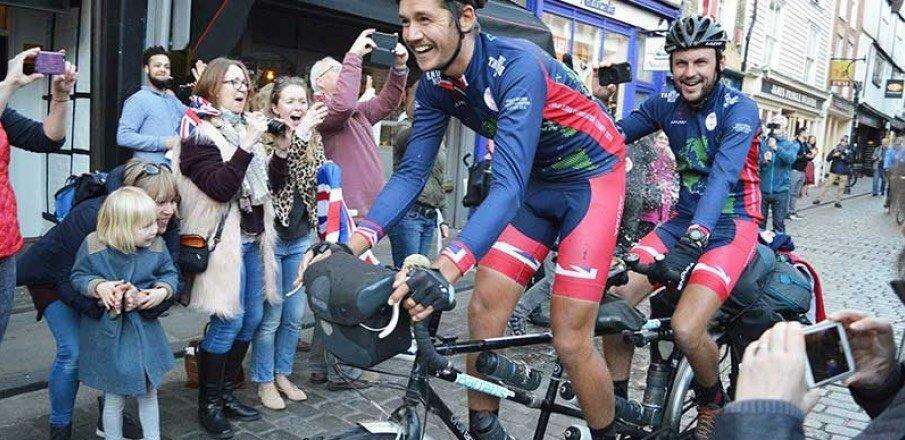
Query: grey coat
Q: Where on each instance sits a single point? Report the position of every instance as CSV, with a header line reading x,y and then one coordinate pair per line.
x,y
125,354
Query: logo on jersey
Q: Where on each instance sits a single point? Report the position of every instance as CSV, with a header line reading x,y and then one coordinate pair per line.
x,y
498,65
710,122
678,122
584,273
433,76
671,96
489,101
742,128
730,100
515,104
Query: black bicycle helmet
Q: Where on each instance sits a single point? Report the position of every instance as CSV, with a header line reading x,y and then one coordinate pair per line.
x,y
695,32
477,4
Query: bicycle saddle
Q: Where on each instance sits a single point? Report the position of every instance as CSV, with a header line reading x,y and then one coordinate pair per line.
x,y
616,316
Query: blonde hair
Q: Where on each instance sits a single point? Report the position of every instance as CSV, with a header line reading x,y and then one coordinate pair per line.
x,y
124,210
157,180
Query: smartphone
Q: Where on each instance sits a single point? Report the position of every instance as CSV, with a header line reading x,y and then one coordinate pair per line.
x,y
829,354
47,63
320,97
615,74
384,54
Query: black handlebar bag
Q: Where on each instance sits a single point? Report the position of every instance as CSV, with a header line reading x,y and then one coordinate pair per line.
x,y
349,300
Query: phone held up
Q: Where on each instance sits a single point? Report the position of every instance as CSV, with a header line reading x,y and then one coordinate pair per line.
x,y
615,74
46,63
829,354
384,54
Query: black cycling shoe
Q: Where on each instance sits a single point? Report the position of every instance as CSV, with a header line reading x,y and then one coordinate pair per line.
x,y
131,427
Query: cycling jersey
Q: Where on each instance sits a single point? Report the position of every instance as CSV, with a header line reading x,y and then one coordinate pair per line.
x,y
544,124
716,149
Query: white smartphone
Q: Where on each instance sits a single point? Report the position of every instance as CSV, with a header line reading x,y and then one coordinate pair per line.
x,y
829,354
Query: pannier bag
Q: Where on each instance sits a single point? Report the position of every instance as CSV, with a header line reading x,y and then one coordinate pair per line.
x,y
349,299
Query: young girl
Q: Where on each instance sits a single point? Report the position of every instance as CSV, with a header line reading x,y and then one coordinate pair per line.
x,y
127,268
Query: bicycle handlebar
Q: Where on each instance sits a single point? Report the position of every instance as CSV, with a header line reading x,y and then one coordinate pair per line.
x,y
656,271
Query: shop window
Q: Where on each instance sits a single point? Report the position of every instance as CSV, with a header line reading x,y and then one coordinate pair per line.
x,y
879,70
585,50
774,30
642,74
852,11
615,50
561,28
810,62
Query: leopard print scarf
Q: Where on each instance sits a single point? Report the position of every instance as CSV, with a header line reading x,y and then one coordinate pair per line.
x,y
304,160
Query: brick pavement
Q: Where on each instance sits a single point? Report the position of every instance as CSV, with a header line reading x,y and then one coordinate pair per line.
x,y
854,248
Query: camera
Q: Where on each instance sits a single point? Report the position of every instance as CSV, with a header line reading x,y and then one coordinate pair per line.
x,y
276,127
773,125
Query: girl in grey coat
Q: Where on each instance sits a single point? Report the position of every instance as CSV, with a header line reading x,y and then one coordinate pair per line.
x,y
127,268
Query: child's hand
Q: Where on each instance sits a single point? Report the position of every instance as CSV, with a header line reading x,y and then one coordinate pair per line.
x,y
131,298
106,292
153,297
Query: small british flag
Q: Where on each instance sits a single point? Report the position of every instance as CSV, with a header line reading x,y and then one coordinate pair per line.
x,y
334,223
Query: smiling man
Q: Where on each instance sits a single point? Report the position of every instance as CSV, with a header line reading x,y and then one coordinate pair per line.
x,y
558,177
713,131
150,120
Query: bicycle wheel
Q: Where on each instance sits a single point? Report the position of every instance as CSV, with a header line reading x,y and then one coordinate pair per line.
x,y
359,433
680,415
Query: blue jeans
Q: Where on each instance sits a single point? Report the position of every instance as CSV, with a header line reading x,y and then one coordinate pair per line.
x,y
879,187
414,234
275,341
63,382
221,333
7,289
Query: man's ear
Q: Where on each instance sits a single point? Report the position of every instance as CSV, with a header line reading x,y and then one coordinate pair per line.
x,y
468,19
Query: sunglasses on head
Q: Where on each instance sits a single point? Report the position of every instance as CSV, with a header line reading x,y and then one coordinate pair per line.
x,y
153,169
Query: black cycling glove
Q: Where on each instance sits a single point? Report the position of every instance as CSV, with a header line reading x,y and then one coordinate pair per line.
x,y
682,258
429,287
327,246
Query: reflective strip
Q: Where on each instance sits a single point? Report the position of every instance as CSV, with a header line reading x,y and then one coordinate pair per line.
x,y
649,250
516,253
719,272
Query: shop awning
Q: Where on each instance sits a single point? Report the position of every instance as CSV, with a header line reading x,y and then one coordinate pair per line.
x,y
218,25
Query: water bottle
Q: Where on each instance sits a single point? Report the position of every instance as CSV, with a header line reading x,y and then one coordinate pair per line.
x,y
577,432
655,393
517,375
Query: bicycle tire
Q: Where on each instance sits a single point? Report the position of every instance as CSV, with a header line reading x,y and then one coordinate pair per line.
x,y
359,433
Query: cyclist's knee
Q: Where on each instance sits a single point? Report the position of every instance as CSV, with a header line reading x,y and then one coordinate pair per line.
x,y
689,334
635,290
572,345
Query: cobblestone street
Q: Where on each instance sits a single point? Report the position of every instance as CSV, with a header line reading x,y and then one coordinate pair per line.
x,y
854,248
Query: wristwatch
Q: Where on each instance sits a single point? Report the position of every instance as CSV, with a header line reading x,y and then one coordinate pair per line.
x,y
698,235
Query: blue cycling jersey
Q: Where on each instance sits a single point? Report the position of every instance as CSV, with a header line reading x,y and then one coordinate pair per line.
x,y
545,125
716,149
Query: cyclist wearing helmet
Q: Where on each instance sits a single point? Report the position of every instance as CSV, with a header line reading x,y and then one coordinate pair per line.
x,y
558,177
713,131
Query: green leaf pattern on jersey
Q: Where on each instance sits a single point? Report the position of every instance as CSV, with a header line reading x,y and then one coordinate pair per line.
x,y
692,162
578,160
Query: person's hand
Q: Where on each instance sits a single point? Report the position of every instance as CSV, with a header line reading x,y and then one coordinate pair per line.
x,y
257,126
171,142
198,70
131,298
682,258
873,347
313,117
773,368
444,231
363,45
63,85
152,297
603,93
317,253
107,292
429,291
402,56
15,77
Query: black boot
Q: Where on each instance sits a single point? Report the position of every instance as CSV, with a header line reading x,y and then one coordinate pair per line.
x,y
211,375
231,405
61,432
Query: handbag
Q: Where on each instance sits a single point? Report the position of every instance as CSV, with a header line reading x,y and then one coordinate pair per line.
x,y
195,250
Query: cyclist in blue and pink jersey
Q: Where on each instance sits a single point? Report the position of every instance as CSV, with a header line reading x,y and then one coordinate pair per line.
x,y
558,178
713,131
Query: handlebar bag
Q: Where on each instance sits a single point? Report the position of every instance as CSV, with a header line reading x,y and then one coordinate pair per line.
x,y
349,300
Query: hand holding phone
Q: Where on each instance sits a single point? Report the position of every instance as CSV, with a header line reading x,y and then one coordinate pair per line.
x,y
829,354
384,52
872,345
45,63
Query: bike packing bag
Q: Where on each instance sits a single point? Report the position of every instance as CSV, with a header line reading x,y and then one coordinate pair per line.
x,y
349,300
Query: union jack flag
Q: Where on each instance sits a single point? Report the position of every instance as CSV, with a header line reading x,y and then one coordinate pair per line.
x,y
334,223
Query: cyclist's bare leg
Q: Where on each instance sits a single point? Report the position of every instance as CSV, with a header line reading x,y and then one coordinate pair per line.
x,y
617,353
572,322
690,322
493,300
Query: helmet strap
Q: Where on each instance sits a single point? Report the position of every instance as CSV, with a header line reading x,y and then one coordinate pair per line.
x,y
454,10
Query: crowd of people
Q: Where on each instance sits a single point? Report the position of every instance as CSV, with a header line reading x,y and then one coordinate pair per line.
x,y
217,210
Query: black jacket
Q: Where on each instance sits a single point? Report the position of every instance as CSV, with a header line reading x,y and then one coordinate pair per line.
x,y
780,420
49,261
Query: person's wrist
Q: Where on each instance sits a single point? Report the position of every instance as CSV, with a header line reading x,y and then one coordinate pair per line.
x,y
447,267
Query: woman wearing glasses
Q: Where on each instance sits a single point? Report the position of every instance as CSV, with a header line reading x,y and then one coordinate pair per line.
x,y
224,177
44,268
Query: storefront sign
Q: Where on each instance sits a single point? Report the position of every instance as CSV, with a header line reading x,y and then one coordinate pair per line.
x,y
802,98
841,72
869,120
619,10
894,88
655,58
841,106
